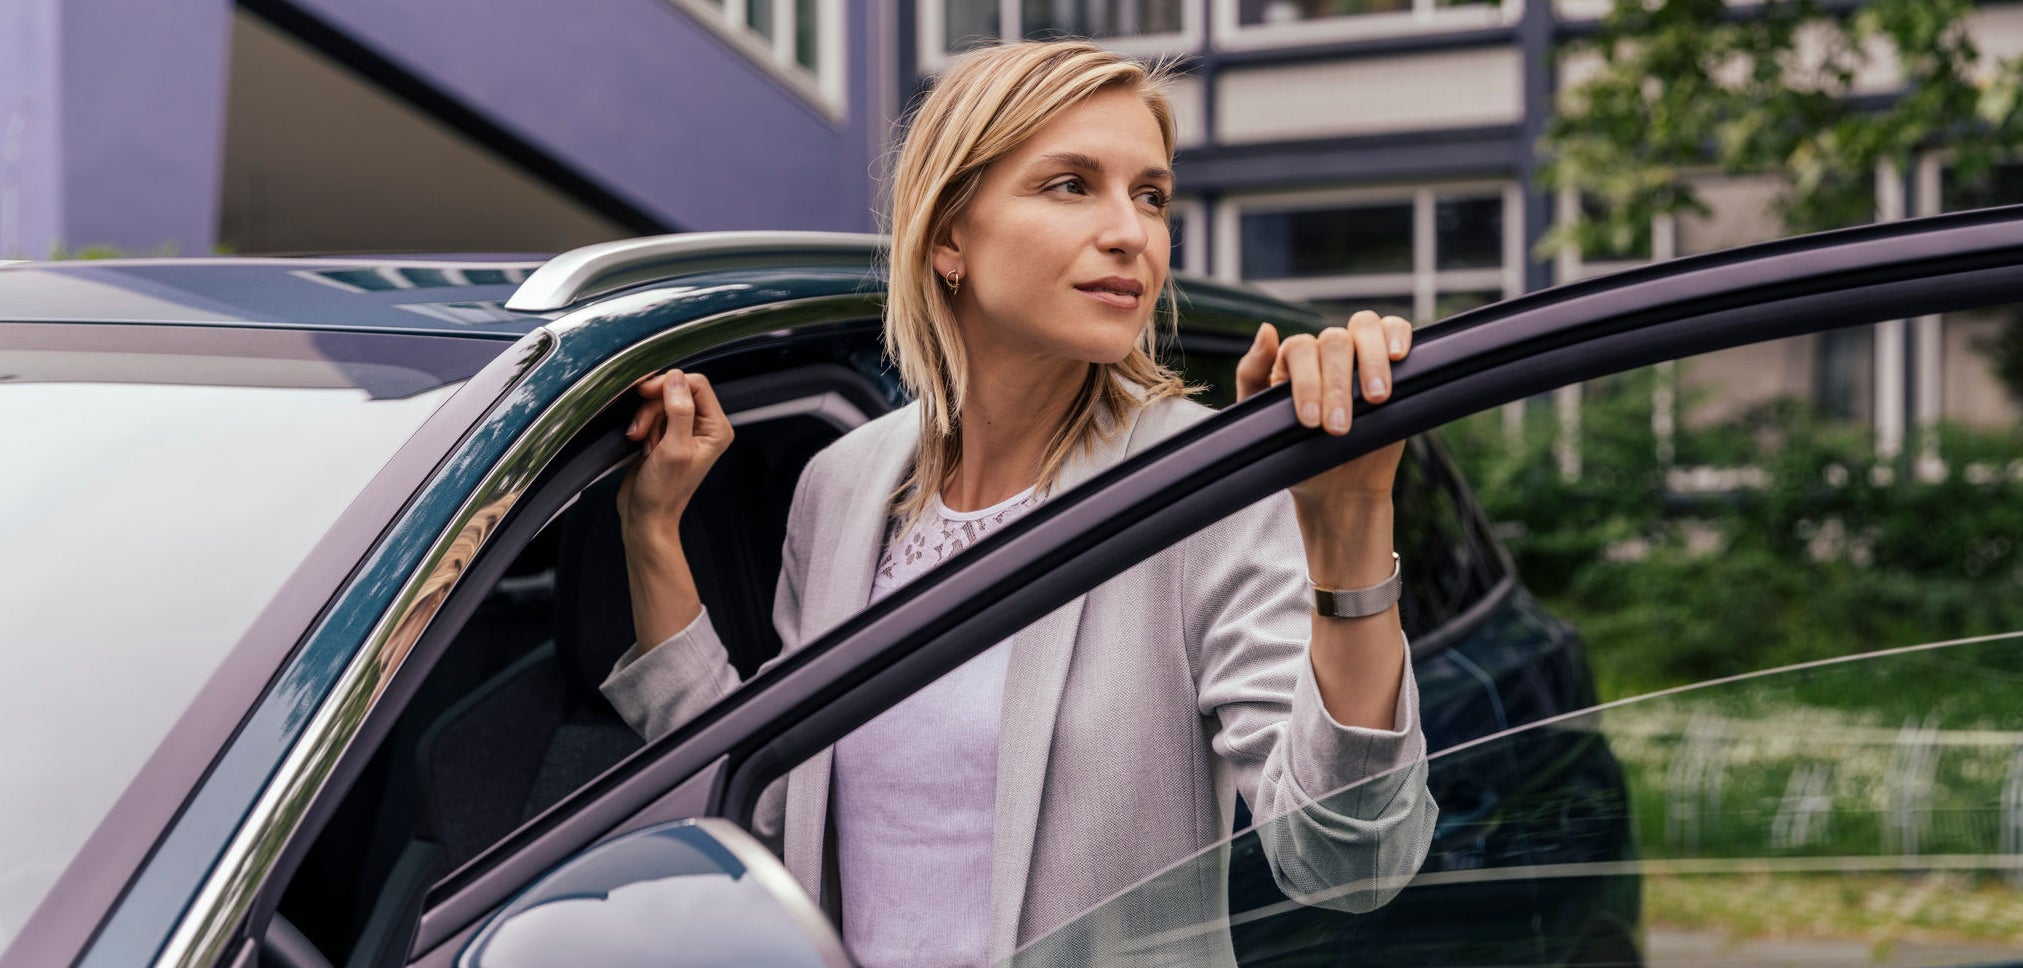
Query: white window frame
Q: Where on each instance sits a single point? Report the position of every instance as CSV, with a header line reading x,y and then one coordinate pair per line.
x,y
1928,405
1597,9
1582,9
1193,255
932,23
1887,381
1424,281
1423,18
824,87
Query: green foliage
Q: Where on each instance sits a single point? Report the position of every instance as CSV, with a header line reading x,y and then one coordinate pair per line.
x,y
1556,526
2005,352
1834,553
1690,86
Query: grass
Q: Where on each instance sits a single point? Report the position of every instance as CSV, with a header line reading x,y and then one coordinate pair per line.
x,y
1879,910
1843,802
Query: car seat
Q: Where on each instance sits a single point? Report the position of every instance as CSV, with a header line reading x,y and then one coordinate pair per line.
x,y
539,729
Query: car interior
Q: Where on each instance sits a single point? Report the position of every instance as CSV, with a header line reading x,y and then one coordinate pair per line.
x,y
509,721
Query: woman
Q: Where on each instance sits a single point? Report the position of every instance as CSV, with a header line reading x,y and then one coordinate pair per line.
x,y
1107,740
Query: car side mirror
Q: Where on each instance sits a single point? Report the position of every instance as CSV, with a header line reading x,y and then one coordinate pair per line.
x,y
689,893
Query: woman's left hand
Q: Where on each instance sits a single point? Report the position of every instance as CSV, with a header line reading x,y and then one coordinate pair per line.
x,y
1323,370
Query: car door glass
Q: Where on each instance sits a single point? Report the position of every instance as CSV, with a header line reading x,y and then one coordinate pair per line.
x,y
1805,648
1861,811
1722,517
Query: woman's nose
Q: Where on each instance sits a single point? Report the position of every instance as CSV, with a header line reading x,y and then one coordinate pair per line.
x,y
1123,229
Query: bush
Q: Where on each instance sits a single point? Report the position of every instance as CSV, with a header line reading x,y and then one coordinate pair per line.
x,y
1836,553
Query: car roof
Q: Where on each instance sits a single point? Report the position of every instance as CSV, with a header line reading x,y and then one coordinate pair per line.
x,y
500,297
443,296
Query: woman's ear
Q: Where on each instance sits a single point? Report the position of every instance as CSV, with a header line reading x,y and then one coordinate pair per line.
x,y
947,252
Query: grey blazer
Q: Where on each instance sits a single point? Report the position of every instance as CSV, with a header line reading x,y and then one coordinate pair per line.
x,y
1132,717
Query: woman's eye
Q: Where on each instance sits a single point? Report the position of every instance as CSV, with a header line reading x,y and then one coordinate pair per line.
x,y
1072,184
1155,197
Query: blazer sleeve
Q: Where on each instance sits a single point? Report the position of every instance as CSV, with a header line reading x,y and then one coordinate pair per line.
x,y
1343,812
658,690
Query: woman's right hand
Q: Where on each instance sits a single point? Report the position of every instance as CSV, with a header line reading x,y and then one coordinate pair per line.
x,y
683,430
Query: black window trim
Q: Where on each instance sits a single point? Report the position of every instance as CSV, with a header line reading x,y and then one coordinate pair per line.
x,y
1479,359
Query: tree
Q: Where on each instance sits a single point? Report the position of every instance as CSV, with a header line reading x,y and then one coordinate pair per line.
x,y
1698,86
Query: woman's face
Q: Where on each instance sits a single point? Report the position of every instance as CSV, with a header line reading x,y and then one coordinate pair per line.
x,y
1063,251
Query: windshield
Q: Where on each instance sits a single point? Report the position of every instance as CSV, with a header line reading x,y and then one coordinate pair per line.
x,y
1859,811
157,487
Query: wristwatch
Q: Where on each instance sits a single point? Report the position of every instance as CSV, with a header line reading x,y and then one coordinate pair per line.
x,y
1360,602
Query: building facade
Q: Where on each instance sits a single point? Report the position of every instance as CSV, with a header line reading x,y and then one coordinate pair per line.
x,y
489,125
1383,154
1353,153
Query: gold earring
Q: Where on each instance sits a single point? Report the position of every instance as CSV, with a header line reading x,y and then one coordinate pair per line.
x,y
954,282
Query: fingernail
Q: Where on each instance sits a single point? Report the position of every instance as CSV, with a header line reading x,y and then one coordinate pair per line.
x,y
1338,420
1310,414
1397,346
1376,388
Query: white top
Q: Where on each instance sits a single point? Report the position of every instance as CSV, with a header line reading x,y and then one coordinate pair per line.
x,y
916,788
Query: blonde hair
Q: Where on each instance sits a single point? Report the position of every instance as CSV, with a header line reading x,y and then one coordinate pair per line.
x,y
982,109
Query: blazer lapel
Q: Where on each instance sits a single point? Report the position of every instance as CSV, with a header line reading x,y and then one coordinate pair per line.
x,y
842,556
1037,676
843,552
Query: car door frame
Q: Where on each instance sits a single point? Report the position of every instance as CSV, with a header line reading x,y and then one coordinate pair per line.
x,y
716,765
189,901
837,395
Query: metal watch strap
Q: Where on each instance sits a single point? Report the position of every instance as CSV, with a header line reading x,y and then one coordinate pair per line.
x,y
1360,602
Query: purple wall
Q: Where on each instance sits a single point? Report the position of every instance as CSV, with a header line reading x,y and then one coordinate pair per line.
x,y
643,99
111,124
112,112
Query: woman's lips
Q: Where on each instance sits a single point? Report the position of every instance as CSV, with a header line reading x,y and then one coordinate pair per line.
x,y
1111,298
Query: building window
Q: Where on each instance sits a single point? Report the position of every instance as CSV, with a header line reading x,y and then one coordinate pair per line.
x,y
2001,185
1468,233
800,42
1351,240
1099,18
1843,378
1425,254
1132,26
1260,23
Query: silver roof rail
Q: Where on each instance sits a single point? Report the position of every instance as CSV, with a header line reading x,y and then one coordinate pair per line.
x,y
593,270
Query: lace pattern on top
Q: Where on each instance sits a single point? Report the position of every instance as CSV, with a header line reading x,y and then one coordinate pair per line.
x,y
941,534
